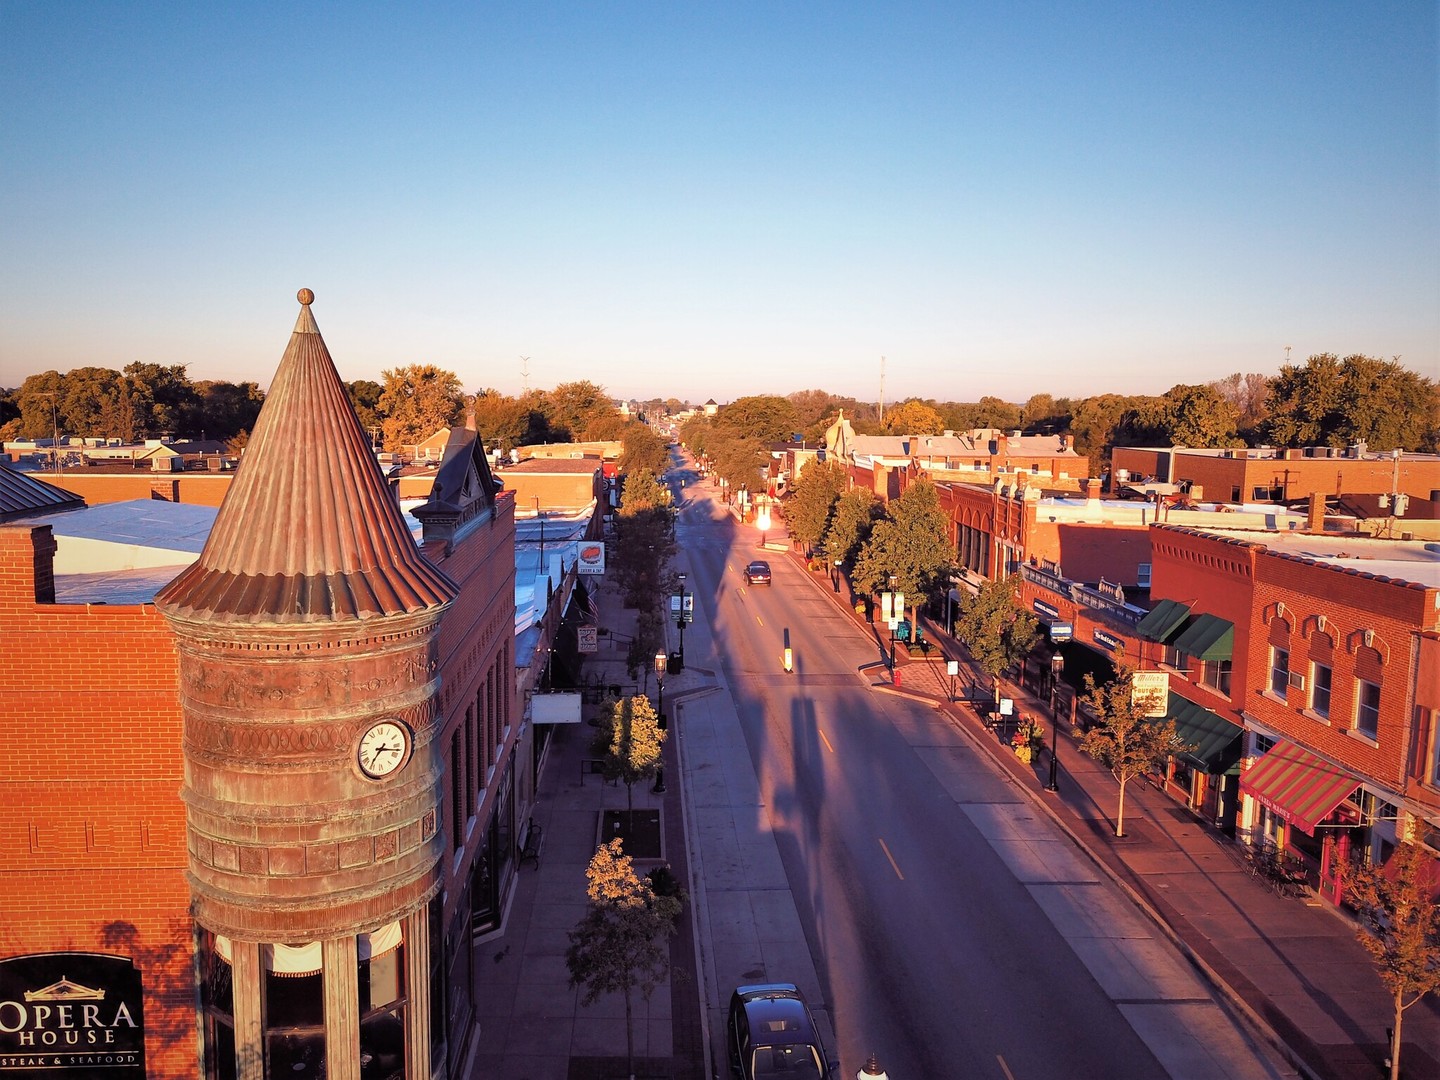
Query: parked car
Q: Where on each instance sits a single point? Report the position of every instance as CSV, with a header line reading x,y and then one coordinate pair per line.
x,y
770,1033
757,573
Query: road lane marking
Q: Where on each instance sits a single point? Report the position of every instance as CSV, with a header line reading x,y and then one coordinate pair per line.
x,y
821,733
893,864
1005,1068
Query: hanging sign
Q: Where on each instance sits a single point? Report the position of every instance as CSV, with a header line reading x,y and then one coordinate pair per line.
x,y
591,557
589,639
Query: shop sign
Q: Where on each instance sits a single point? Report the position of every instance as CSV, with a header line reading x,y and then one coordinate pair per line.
x,y
1061,632
591,559
1150,692
588,638
1048,610
1109,641
71,1016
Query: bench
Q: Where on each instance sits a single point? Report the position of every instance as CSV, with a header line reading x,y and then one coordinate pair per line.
x,y
594,766
534,839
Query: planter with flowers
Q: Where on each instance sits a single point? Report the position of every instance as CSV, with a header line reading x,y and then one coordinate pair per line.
x,y
1029,737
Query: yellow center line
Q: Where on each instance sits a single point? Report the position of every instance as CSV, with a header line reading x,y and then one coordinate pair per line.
x,y
826,741
893,865
1005,1068
759,620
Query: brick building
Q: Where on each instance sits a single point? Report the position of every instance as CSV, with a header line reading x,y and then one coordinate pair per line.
x,y
296,773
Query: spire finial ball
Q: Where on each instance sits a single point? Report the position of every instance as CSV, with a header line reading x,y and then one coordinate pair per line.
x,y
305,296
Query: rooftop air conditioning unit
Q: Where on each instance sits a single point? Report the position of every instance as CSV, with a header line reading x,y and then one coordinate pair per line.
x,y
1297,680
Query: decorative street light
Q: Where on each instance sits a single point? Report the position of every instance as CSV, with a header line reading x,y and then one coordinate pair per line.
x,y
681,618
536,500
661,661
1057,663
837,575
892,617
762,521
871,1070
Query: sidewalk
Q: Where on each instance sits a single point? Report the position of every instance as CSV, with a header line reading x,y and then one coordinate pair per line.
x,y
1294,966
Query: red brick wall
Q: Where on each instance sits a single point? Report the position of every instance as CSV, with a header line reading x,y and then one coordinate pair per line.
x,y
92,850
201,489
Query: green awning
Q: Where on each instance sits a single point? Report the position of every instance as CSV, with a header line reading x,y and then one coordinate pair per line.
x,y
1207,638
1216,740
1163,620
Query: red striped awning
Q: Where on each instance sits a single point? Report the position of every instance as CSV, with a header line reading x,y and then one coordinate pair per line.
x,y
1301,787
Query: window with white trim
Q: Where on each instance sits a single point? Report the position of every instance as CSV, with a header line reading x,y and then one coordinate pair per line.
x,y
1216,675
1142,575
1367,708
1279,671
1320,679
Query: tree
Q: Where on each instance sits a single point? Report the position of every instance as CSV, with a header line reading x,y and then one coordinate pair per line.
x,y
996,630
226,408
618,945
627,741
856,513
1399,928
913,417
1247,394
365,399
571,406
1196,416
738,460
812,502
1125,740
417,402
1333,402
643,448
644,541
912,544
163,398
763,418
608,426
1094,423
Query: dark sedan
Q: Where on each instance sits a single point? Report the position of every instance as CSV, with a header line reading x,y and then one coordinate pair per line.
x,y
770,1032
757,573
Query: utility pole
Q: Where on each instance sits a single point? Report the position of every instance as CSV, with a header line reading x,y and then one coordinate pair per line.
x,y
882,390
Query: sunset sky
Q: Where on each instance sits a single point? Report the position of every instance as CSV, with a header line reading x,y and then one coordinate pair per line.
x,y
712,200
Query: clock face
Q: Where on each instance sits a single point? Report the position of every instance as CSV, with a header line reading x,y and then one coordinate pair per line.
x,y
383,748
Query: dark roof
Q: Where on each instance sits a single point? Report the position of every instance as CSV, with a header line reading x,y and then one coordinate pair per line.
x,y
23,495
542,466
309,531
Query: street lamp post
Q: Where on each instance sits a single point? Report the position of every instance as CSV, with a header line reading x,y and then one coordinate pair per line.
x,y
661,661
536,500
762,521
893,620
680,621
1057,662
871,1070
837,575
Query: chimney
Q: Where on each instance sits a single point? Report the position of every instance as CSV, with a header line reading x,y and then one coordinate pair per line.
x,y
1092,491
1315,518
27,556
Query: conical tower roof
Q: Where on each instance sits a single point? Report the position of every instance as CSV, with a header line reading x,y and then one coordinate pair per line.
x,y
309,531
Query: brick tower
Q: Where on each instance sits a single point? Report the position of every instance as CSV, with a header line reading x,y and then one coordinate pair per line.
x,y
307,642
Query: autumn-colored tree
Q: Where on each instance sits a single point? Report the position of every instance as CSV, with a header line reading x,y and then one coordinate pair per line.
x,y
642,447
812,502
627,741
608,426
996,630
1247,393
644,541
1183,416
417,402
618,946
1125,740
913,417
911,544
1400,928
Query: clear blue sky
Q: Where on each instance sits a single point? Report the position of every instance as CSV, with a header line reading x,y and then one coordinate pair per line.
x,y
711,200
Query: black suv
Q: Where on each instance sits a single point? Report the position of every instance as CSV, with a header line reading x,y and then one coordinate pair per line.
x,y
757,573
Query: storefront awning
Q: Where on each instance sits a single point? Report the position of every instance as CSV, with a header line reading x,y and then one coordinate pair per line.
x,y
1163,620
1207,638
1216,740
1301,787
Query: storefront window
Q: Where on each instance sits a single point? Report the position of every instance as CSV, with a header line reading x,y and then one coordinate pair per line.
x,y
217,1003
1216,675
294,1024
382,1006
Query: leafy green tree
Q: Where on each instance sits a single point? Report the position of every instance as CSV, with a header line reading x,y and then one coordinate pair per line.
x,y
763,418
163,397
618,946
1196,416
1400,929
1247,393
642,447
226,408
607,426
913,417
365,397
1333,402
1094,424
996,630
912,544
418,401
1040,414
738,461
644,542
571,407
856,513
1125,740
812,502
627,741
